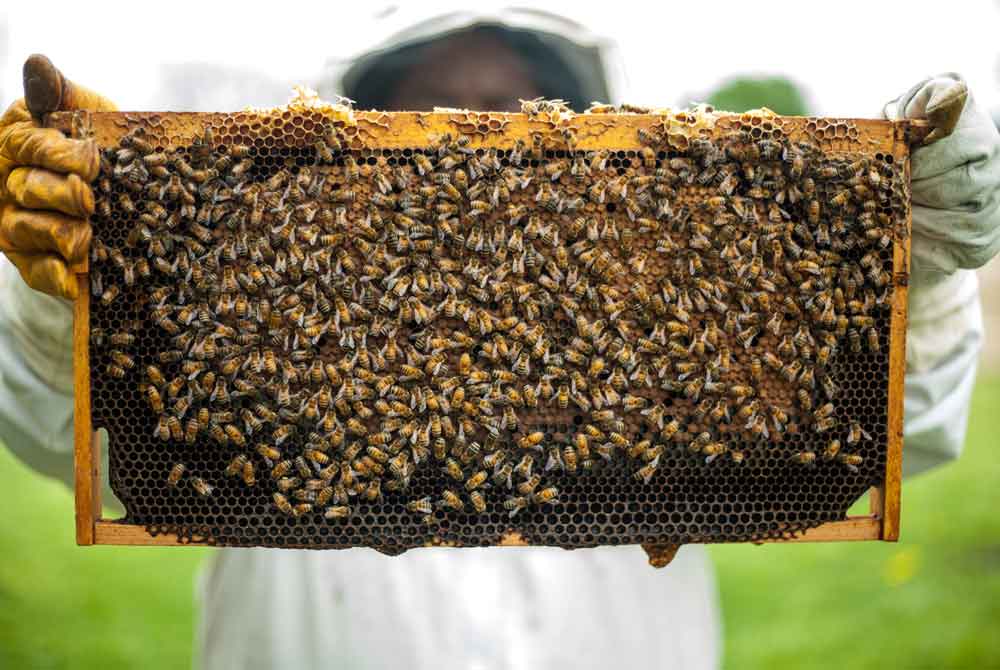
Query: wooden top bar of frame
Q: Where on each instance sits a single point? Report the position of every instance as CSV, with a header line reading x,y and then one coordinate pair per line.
x,y
400,130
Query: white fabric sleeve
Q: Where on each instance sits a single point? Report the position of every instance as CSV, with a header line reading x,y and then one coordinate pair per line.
x,y
36,376
943,340
36,380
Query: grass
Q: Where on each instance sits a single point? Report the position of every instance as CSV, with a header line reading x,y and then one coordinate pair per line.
x,y
63,606
930,601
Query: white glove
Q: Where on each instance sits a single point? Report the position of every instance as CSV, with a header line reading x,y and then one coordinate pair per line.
x,y
956,227
956,178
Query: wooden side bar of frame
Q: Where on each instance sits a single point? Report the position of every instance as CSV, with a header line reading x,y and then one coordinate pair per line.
x,y
897,366
86,453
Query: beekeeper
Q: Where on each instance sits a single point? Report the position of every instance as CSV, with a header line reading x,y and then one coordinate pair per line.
x,y
474,608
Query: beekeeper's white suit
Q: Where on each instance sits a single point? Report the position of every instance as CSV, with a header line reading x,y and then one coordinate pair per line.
x,y
533,608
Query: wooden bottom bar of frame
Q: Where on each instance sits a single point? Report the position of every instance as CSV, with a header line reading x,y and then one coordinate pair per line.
x,y
857,529
851,529
118,533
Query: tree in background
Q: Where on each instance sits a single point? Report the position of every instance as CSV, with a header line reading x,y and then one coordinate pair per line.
x,y
776,93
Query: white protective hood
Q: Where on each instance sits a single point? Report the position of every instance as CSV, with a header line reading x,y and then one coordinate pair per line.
x,y
594,59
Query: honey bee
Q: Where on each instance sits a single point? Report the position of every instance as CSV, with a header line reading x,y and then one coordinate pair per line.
x,y
515,504
235,435
176,474
854,338
546,496
235,466
191,430
154,398
122,339
162,430
831,450
713,450
823,411
201,487
779,417
790,372
562,396
646,472
856,433
451,500
453,469
110,294
756,368
669,430
825,424
531,440
175,428
524,466
829,387
804,399
745,337
478,501
851,461
282,503
337,512
126,204
504,474
555,460
873,341
804,457
421,506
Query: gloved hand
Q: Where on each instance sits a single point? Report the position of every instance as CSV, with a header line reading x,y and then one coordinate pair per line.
x,y
955,178
45,198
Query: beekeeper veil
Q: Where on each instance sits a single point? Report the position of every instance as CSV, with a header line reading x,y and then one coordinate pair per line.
x,y
567,60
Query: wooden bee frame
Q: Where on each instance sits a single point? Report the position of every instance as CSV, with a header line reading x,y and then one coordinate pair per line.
x,y
594,131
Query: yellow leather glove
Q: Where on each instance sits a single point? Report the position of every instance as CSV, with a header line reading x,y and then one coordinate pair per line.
x,y
45,198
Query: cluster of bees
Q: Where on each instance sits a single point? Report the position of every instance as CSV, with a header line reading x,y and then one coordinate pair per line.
x,y
340,324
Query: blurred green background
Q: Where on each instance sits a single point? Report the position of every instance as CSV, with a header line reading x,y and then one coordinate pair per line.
x,y
930,601
778,94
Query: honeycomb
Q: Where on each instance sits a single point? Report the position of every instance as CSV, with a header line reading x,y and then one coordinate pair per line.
x,y
354,344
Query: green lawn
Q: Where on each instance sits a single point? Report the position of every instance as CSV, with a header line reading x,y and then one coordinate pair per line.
x,y
931,601
63,606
